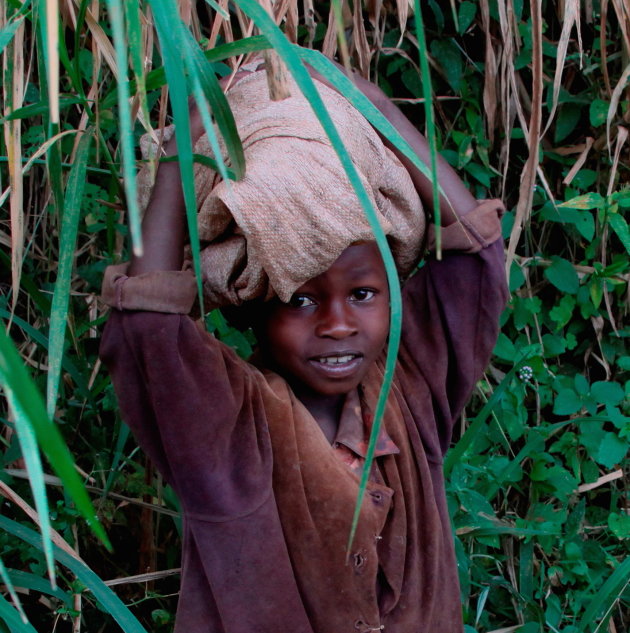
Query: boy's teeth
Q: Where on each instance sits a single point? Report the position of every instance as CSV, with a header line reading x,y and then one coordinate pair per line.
x,y
336,360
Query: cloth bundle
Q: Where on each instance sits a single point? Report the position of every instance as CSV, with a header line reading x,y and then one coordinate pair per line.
x,y
295,210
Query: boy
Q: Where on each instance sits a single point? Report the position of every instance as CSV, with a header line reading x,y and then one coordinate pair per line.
x,y
267,460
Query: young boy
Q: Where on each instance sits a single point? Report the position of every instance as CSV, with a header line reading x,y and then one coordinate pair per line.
x,y
266,460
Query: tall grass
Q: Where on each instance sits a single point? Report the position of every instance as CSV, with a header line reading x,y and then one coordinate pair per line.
x,y
530,104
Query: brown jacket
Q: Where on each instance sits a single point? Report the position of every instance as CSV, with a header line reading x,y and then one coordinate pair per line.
x,y
267,503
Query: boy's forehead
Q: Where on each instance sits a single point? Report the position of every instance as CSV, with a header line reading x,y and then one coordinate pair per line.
x,y
356,261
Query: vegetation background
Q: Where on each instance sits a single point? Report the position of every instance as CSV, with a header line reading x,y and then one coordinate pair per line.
x,y
531,103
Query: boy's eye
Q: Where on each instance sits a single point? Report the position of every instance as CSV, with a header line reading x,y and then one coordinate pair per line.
x,y
362,294
300,301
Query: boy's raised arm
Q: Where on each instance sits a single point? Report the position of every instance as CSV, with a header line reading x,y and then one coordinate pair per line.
x,y
163,225
458,201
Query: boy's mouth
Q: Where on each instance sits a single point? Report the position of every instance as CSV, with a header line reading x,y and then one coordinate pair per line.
x,y
337,366
340,359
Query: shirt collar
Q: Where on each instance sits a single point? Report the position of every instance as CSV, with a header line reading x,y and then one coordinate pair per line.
x,y
355,424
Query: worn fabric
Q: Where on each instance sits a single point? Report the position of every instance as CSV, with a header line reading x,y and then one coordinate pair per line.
x,y
266,500
295,211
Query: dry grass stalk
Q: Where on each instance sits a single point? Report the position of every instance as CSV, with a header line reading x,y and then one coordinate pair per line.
x,y
13,67
360,42
490,76
579,161
615,98
528,175
622,137
622,9
277,73
569,20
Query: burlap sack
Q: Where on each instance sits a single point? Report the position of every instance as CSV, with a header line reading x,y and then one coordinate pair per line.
x,y
295,211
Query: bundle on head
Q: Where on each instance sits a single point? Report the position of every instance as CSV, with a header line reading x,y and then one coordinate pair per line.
x,y
295,210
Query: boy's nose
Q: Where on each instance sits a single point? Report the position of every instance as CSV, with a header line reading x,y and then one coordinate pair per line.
x,y
337,321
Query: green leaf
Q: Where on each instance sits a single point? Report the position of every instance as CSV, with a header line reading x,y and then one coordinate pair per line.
x,y
612,450
567,402
583,221
598,112
449,57
480,173
568,118
26,402
596,291
134,39
7,33
581,384
619,524
554,345
586,201
620,227
609,393
562,312
115,11
562,275
517,277
67,245
465,15
504,348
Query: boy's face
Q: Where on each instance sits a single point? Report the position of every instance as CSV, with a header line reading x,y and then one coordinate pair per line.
x,y
326,338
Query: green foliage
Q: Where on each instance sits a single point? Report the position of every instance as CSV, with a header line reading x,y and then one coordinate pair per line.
x,y
536,485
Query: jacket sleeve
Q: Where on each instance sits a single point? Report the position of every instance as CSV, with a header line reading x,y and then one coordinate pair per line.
x,y
194,406
451,312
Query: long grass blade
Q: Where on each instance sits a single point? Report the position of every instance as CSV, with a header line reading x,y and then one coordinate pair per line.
x,y
13,71
25,400
52,51
13,619
134,38
456,453
606,596
571,15
430,122
30,454
168,27
286,51
25,580
528,175
182,56
67,245
126,128
108,599
8,32
157,77
346,87
6,579
204,79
